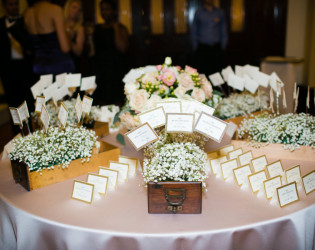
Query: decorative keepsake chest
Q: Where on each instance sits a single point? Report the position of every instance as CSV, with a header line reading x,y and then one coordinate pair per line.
x,y
174,197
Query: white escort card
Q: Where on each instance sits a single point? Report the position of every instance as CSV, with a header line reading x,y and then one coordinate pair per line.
x,y
275,169
99,182
16,116
216,79
261,78
73,80
63,115
50,90
234,153
309,182
78,108
112,176
154,117
293,174
271,186
82,191
170,107
259,163
227,168
236,82
211,127
200,107
231,128
245,158
44,117
215,164
250,84
239,70
88,83
40,100
142,136
250,70
86,104
46,79
37,88
227,72
179,123
256,180
241,174
224,150
287,194
132,162
23,110
61,79
187,107
122,168
60,93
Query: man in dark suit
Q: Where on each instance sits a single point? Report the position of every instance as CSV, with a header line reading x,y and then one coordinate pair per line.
x,y
15,69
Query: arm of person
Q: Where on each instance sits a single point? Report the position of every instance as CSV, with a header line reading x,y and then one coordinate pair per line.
x,y
77,47
59,22
121,37
194,31
223,32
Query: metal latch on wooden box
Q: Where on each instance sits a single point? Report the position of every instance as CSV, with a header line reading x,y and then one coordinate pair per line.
x,y
175,198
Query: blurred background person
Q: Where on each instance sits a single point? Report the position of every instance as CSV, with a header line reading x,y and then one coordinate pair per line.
x,y
45,23
75,30
15,70
209,38
111,42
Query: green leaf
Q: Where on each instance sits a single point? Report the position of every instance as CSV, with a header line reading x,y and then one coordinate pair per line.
x,y
216,92
116,118
120,138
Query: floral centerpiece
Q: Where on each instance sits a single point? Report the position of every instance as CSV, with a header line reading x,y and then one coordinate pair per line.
x,y
147,85
241,104
291,130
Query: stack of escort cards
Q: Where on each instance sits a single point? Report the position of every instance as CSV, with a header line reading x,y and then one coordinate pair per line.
x,y
107,178
263,178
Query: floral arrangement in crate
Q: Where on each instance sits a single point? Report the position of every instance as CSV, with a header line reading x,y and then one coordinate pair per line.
x,y
147,85
57,146
291,130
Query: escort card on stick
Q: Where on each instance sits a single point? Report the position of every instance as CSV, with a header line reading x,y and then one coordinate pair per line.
x,y
259,163
63,115
234,153
112,176
224,150
293,174
241,174
132,162
309,182
88,83
256,180
227,168
271,186
61,79
170,107
44,117
86,104
16,116
78,108
142,136
99,182
236,82
23,110
82,191
154,117
215,164
227,72
37,88
261,78
40,100
73,80
216,79
46,79
275,169
211,127
179,123
250,84
49,91
287,194
122,168
60,93
245,158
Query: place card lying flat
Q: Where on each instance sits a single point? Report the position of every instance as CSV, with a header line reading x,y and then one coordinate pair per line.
x,y
241,174
216,79
40,100
142,136
179,123
112,176
245,158
132,162
224,150
227,168
259,163
309,182
78,107
99,182
200,107
63,115
211,127
271,186
122,168
15,116
82,191
215,164
275,169
154,117
86,104
256,180
187,107
170,107
293,174
213,155
287,194
44,117
234,153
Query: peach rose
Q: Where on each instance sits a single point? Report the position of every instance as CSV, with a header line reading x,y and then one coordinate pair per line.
x,y
131,87
180,92
206,86
185,81
138,100
190,70
198,94
150,77
128,120
152,101
164,88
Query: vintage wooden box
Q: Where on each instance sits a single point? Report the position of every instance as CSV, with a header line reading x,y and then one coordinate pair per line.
x,y
175,197
33,180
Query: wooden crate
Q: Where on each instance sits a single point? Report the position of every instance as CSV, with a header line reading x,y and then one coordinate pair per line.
x,y
33,180
175,197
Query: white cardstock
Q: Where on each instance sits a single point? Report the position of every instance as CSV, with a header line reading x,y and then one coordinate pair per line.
x,y
256,180
275,169
170,107
236,82
179,122
23,110
46,79
16,116
188,107
261,78
82,191
112,176
200,107
293,174
132,162
245,158
309,182
235,153
271,186
250,84
99,182
259,163
241,174
216,164
78,108
50,90
287,194
224,150
87,83
73,80
122,168
40,100
154,117
44,117
227,72
216,79
63,115
61,79
37,88
86,104
227,168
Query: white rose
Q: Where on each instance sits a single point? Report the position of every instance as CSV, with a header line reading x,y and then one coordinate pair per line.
x,y
138,100
198,94
180,92
185,81
150,77
168,61
131,87
152,101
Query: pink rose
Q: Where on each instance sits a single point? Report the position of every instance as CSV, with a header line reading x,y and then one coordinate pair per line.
x,y
159,67
198,94
138,100
150,77
190,70
178,68
206,86
185,81
168,77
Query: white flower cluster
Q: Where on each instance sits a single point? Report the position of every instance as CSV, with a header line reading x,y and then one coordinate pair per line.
x,y
241,104
177,161
42,150
292,130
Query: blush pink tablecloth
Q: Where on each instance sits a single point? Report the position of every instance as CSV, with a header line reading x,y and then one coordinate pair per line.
x,y
232,218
